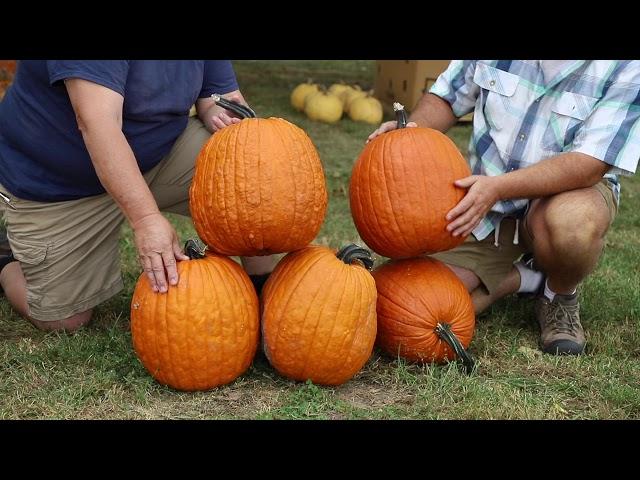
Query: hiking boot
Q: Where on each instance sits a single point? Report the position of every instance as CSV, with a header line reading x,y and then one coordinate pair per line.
x,y
561,332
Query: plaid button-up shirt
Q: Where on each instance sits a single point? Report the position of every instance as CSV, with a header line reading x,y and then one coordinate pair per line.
x,y
529,110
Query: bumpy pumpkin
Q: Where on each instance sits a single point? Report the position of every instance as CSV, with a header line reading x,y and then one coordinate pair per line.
x,y
323,107
425,313
301,92
401,189
319,314
258,188
366,109
204,331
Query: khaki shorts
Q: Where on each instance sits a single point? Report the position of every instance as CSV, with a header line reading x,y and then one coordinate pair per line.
x,y
68,250
493,263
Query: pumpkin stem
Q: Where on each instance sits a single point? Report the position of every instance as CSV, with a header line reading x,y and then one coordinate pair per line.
x,y
193,250
242,110
352,252
443,330
401,115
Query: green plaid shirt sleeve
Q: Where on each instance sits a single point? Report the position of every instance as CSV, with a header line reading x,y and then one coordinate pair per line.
x,y
611,133
455,85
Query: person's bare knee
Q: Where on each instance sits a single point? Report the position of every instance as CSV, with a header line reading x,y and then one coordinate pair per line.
x,y
67,325
466,276
571,225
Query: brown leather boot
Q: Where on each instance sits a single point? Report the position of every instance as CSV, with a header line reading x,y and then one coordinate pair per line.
x,y
561,332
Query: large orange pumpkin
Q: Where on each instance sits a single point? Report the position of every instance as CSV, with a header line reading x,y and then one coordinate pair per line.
x,y
425,313
401,190
258,188
319,314
204,331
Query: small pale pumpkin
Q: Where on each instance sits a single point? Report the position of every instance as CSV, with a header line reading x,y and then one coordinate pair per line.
x,y
323,107
366,109
301,92
349,95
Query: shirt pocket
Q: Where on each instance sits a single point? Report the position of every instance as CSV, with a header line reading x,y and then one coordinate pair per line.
x,y
498,88
568,114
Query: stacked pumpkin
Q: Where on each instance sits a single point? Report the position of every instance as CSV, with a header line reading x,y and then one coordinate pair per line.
x,y
402,187
258,189
328,105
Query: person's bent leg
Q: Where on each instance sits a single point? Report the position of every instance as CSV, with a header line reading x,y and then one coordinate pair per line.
x,y
67,260
567,234
486,269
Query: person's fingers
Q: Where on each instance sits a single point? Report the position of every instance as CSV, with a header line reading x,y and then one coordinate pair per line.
x,y
412,124
148,270
466,182
158,272
462,220
169,260
177,251
463,205
467,227
235,120
219,124
226,119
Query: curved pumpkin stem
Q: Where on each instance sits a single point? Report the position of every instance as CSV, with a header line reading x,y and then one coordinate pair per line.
x,y
193,250
443,330
401,115
352,252
242,110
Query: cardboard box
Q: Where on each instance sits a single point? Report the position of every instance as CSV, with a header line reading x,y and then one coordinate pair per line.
x,y
405,81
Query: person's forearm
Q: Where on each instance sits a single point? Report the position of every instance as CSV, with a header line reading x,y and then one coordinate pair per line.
x,y
118,171
567,171
433,112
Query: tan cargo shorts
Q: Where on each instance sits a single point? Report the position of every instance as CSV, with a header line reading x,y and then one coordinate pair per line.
x,y
491,262
68,250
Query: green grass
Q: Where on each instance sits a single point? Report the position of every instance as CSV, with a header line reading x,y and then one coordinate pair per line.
x,y
95,373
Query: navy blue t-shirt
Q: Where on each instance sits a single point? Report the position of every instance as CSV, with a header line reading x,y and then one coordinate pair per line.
x,y
42,154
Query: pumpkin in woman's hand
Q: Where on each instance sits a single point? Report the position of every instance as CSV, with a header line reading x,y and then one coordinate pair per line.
x,y
301,92
401,189
323,107
204,331
422,306
319,314
258,188
366,109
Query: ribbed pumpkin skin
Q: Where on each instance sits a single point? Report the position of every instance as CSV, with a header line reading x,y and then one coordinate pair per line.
x,y
318,317
413,296
204,331
258,189
401,190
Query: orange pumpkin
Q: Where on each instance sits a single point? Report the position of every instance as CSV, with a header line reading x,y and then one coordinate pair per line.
x,y
258,188
319,314
204,331
425,313
401,190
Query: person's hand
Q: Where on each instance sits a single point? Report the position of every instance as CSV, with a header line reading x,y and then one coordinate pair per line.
x,y
387,127
483,193
158,250
221,117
